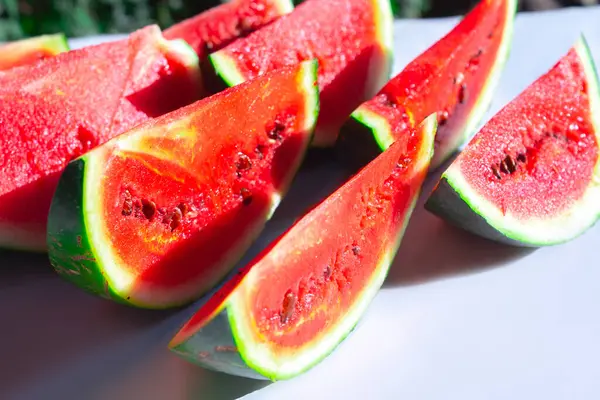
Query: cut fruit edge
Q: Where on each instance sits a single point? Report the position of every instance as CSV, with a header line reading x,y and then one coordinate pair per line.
x,y
540,231
120,281
382,131
227,70
259,356
487,92
181,51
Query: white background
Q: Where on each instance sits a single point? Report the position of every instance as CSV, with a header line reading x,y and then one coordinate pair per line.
x,y
458,318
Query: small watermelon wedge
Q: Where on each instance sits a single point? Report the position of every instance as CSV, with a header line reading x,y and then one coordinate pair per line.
x,y
291,306
215,28
160,214
531,175
57,109
26,51
352,39
456,77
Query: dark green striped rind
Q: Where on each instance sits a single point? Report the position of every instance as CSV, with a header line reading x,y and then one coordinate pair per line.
x,y
69,247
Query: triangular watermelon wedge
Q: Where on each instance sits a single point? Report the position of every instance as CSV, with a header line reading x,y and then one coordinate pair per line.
x,y
25,51
300,298
57,109
531,175
455,77
160,214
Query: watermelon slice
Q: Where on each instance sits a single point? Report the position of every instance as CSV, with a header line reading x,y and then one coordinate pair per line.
x,y
22,52
531,176
59,108
160,214
352,39
456,78
214,29
303,295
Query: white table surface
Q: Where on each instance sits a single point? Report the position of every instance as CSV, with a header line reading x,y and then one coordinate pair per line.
x,y
458,318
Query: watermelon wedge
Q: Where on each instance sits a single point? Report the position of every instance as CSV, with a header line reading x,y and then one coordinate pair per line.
x,y
215,28
26,51
160,214
57,109
531,176
292,305
455,77
352,39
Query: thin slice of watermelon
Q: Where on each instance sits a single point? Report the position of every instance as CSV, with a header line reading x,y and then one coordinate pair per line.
x,y
159,215
303,295
26,51
57,109
531,176
456,77
216,28
352,39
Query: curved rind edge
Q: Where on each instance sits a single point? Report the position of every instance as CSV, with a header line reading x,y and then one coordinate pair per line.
x,y
259,360
485,97
226,68
378,125
532,233
73,258
59,43
284,6
189,58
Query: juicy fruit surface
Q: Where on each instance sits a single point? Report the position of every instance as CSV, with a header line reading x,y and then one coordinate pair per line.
x,y
448,78
303,295
350,38
536,158
55,110
26,51
219,26
173,203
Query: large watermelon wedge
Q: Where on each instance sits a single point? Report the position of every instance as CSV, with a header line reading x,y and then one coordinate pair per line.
x,y
352,39
25,51
215,28
160,214
455,77
302,296
531,176
57,109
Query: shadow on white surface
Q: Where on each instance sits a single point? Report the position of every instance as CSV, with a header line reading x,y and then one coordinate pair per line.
x,y
448,251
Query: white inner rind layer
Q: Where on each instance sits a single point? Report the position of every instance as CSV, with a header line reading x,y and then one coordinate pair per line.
x,y
284,6
118,276
267,359
543,230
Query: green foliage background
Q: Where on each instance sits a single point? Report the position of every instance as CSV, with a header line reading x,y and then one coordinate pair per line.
x,y
22,18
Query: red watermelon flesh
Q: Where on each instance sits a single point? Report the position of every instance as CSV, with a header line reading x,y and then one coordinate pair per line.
x,y
531,175
455,77
292,305
59,108
158,215
26,51
213,29
352,40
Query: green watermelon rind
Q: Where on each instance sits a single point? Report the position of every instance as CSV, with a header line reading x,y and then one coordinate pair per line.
x,y
382,132
57,42
87,261
180,49
489,220
258,359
